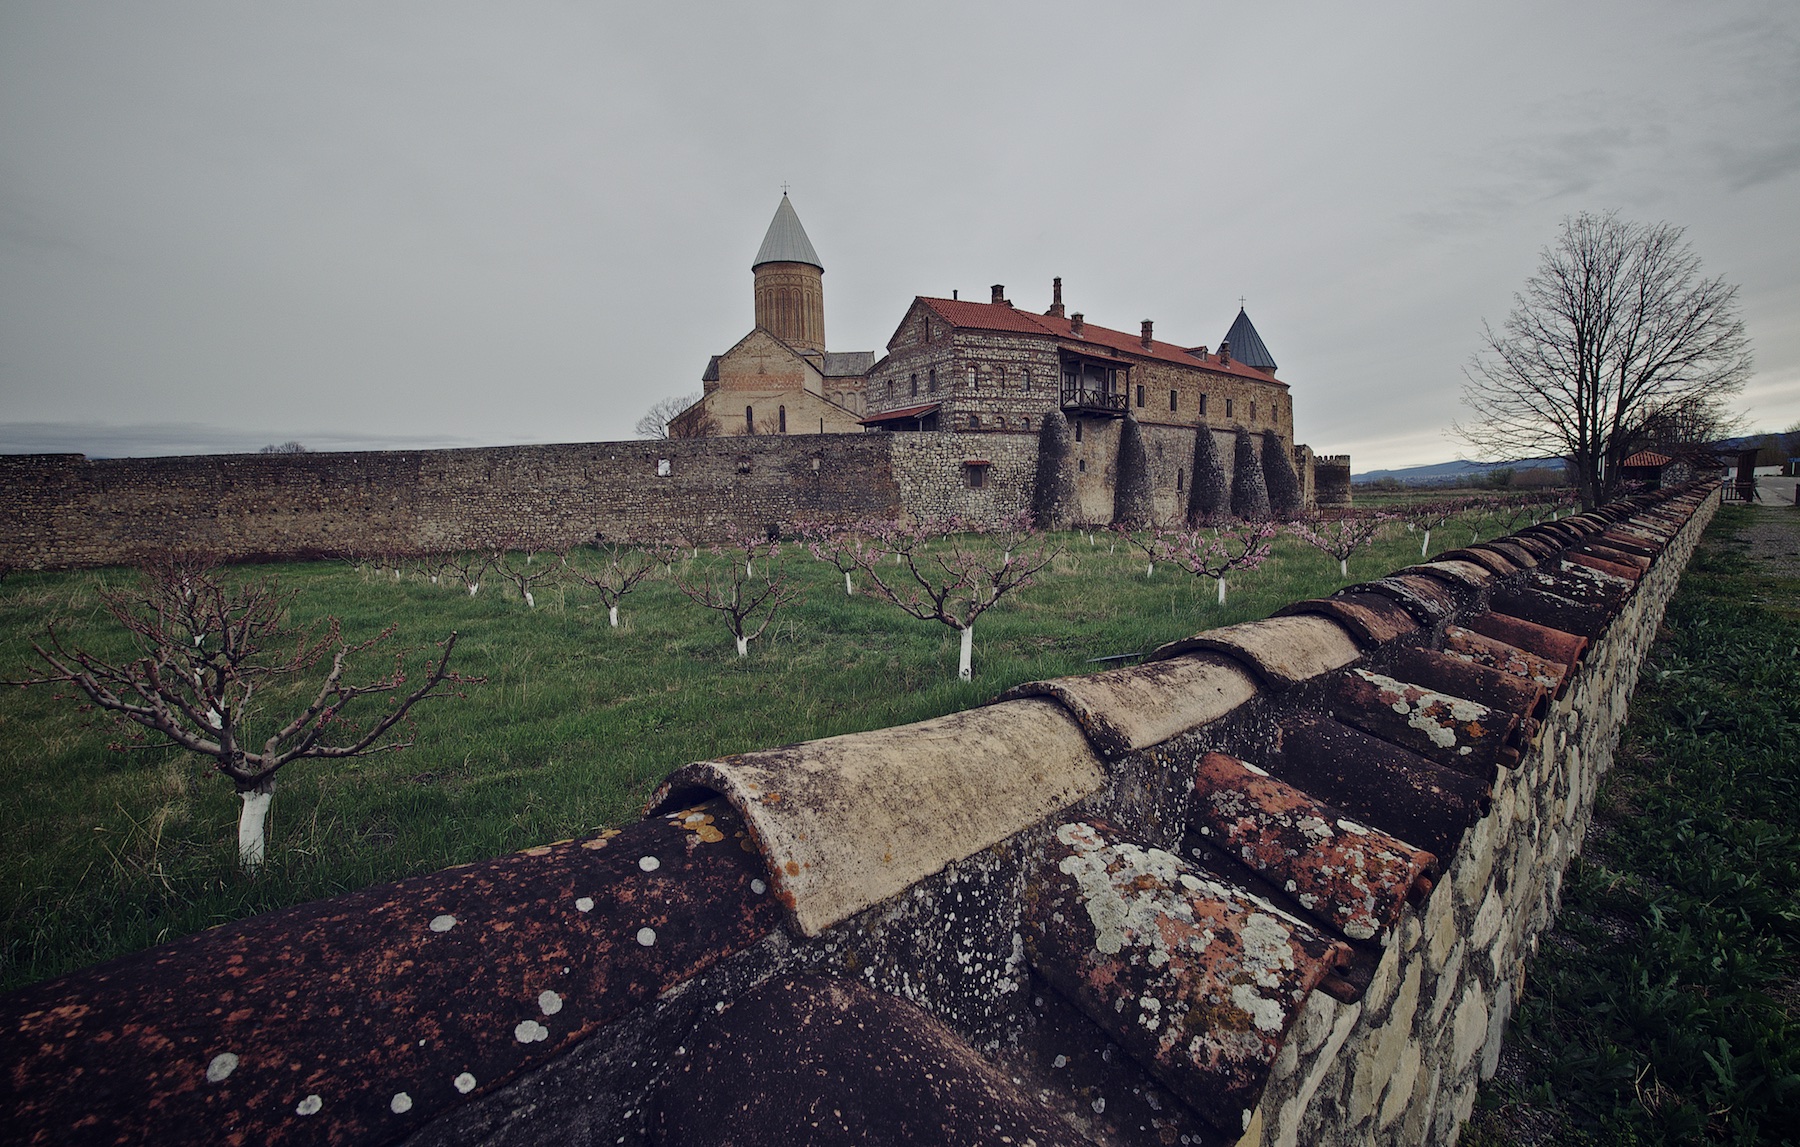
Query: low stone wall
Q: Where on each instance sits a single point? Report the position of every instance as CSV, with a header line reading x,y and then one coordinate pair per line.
x,y
1402,1064
1273,886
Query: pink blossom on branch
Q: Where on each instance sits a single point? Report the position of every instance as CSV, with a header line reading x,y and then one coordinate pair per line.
x,y
1343,537
1218,553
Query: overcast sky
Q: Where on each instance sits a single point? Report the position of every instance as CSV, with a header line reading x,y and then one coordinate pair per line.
x,y
375,224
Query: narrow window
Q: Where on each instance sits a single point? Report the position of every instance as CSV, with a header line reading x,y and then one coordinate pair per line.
x,y
749,420
1228,408
1027,380
821,431
1253,410
1078,430
1171,400
915,386
1025,422
1178,478
1203,406
781,414
1081,465
933,380
974,381
1140,396
662,467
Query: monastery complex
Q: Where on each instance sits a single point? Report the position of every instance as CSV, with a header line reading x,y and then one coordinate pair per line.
x,y
988,368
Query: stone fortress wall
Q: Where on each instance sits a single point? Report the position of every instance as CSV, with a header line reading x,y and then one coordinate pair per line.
x,y
63,510
1276,885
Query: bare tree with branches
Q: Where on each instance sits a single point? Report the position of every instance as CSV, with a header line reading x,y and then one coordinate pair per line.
x,y
1616,333
947,575
208,651
619,569
657,421
736,593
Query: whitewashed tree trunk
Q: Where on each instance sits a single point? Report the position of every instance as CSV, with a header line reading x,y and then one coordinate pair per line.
x,y
1221,591
1343,567
963,666
1425,546
748,572
530,602
743,644
612,615
474,586
849,590
434,579
1149,569
253,824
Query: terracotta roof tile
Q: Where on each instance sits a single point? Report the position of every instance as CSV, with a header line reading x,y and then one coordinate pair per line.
x,y
968,315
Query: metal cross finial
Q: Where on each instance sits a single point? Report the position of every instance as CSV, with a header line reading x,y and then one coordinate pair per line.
x,y
1240,302
784,187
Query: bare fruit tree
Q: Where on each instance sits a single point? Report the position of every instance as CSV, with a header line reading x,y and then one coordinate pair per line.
x,y
618,570
947,574
748,602
1615,335
209,654
656,421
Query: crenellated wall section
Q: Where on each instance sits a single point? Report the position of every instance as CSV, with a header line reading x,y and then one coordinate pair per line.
x,y
1273,886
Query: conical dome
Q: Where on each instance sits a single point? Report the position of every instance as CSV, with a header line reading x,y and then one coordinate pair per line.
x,y
1247,346
786,241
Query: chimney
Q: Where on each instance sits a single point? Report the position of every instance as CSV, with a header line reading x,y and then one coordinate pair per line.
x,y
999,294
1075,324
1225,353
1056,307
1145,337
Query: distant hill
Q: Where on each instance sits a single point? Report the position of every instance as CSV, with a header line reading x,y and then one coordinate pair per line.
x,y
1451,473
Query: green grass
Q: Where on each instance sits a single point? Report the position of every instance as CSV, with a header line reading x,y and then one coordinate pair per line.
x,y
1662,1008
109,852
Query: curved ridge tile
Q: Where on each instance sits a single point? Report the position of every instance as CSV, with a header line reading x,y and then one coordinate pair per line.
x,y
1553,645
330,1009
1463,678
1512,551
1427,599
846,822
1371,618
1454,731
1123,710
1347,875
1485,556
1283,651
1379,783
1192,975
1551,609
1482,650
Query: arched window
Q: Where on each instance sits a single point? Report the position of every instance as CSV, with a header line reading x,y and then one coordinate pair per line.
x,y
933,380
974,421
974,380
1027,380
749,420
1178,479
781,415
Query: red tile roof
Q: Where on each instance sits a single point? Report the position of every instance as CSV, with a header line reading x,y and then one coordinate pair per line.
x,y
1000,317
902,412
1647,458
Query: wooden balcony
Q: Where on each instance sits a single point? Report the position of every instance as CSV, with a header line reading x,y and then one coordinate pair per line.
x,y
1082,400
